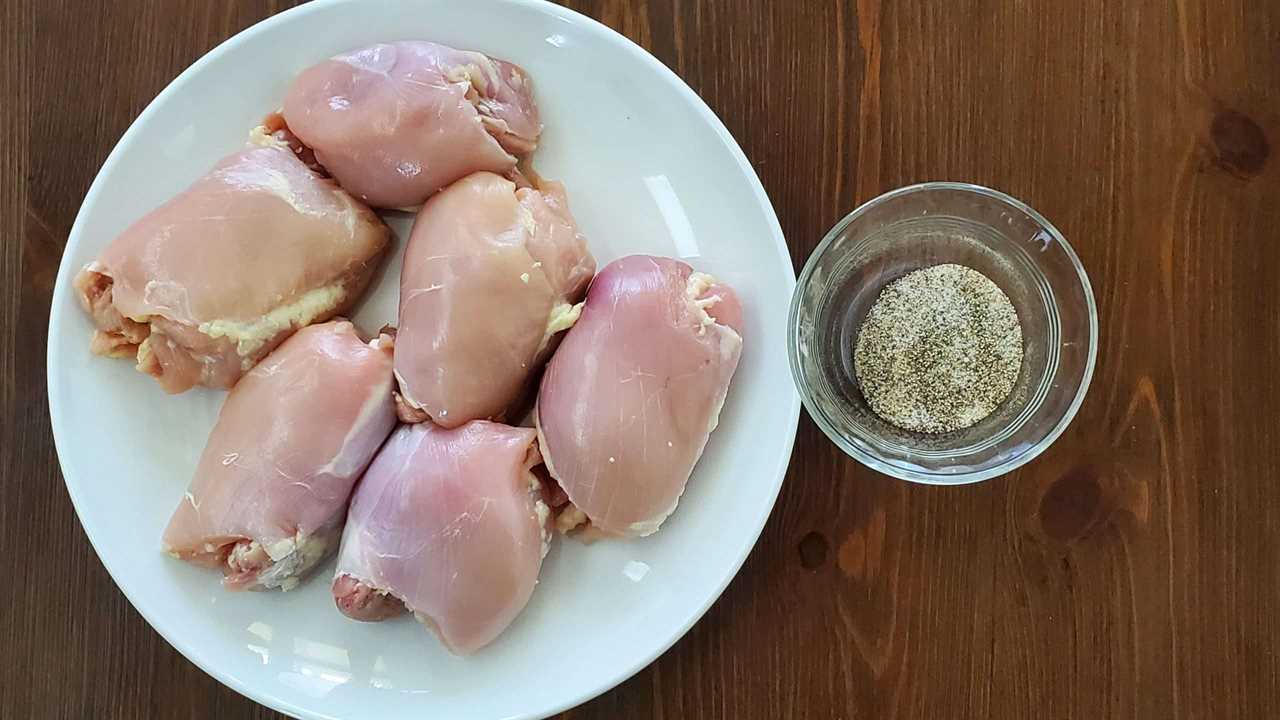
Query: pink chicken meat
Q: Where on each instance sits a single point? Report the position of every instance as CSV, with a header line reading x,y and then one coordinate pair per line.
x,y
271,490
450,525
204,286
632,395
491,275
395,122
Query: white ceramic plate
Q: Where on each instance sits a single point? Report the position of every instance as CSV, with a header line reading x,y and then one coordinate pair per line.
x,y
649,169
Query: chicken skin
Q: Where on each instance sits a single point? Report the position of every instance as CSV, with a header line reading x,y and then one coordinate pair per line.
x,y
271,490
395,122
447,524
205,285
491,276
635,390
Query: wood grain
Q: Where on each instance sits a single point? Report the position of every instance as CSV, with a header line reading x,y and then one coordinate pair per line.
x,y
1128,573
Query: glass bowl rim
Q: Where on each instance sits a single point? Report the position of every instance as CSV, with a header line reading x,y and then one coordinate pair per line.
x,y
873,460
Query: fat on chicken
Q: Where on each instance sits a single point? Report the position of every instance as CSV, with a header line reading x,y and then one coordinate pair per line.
x,y
449,525
395,122
271,490
492,274
633,393
204,286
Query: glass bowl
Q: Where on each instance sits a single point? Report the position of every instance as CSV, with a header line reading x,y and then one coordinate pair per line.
x,y
916,227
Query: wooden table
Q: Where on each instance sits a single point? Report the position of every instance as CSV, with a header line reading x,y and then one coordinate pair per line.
x,y
1130,572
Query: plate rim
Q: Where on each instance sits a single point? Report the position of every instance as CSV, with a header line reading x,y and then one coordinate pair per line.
x,y
194,654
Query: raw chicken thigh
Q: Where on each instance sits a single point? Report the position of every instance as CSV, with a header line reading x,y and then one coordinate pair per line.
x,y
633,393
271,490
204,286
491,276
395,122
450,525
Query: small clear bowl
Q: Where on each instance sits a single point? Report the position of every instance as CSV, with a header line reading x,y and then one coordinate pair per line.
x,y
929,224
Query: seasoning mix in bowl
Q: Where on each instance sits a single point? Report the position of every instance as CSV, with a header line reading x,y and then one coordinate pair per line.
x,y
943,333
939,351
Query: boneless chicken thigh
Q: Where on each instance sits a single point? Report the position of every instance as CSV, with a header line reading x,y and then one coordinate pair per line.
x,y
205,285
632,395
395,122
491,276
449,524
271,490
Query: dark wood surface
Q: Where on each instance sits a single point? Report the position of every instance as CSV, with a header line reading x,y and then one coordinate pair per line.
x,y
1130,572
